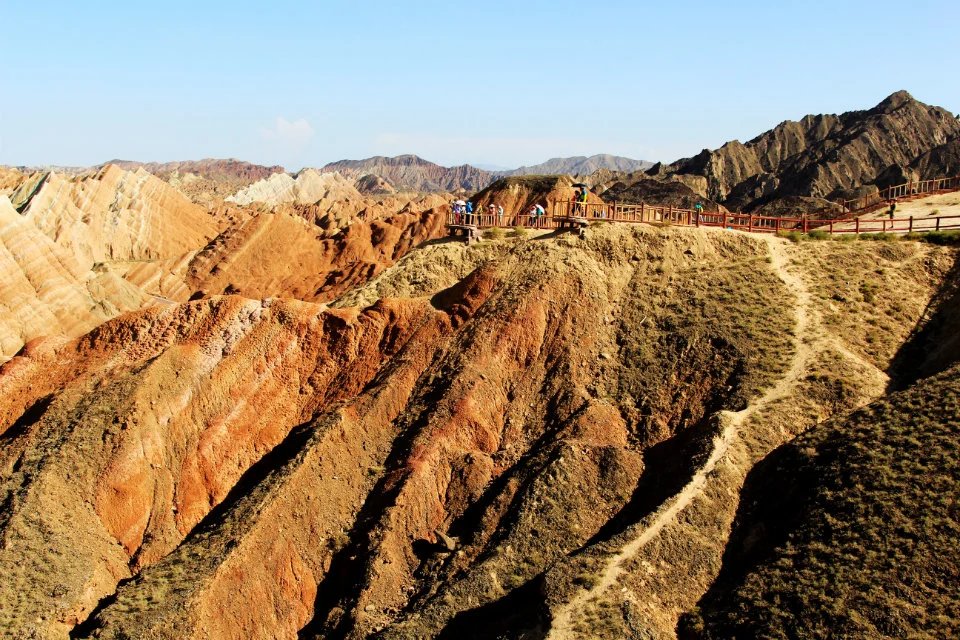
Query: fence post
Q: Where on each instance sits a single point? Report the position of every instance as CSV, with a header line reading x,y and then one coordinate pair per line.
x,y
938,224
911,224
831,226
856,226
776,225
724,219
750,224
805,224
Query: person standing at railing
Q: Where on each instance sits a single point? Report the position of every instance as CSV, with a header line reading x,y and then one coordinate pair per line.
x,y
698,211
576,202
469,216
500,213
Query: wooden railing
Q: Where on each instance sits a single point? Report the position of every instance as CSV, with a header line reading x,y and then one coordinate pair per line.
x,y
905,191
637,213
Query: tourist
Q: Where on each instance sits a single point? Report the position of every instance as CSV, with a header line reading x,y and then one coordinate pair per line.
x,y
893,207
469,215
500,213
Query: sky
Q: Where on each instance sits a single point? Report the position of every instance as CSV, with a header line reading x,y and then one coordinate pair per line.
x,y
491,83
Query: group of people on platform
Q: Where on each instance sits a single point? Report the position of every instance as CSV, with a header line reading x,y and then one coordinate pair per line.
x,y
465,213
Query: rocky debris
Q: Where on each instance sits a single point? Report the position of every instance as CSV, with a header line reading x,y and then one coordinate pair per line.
x,y
46,293
446,543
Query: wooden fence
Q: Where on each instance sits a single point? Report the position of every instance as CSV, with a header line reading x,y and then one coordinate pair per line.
x,y
905,191
636,213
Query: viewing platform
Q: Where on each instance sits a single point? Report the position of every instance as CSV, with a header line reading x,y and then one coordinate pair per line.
x,y
577,216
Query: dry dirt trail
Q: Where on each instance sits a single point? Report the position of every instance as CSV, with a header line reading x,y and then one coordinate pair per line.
x,y
806,332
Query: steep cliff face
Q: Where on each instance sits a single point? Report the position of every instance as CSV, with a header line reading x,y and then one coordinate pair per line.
x,y
820,155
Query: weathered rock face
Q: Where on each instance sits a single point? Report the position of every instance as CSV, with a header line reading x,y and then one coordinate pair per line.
x,y
117,215
44,292
143,458
518,195
936,163
638,188
410,173
308,187
374,185
822,154
10,179
315,266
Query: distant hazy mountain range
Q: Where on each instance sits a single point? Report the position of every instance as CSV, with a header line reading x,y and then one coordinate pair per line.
x,y
412,173
581,166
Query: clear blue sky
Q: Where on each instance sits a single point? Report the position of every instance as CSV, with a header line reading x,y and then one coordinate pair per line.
x,y
502,83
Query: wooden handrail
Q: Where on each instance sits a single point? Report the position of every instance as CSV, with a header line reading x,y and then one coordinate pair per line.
x,y
633,213
906,190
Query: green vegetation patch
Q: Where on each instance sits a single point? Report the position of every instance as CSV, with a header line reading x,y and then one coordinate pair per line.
x,y
850,531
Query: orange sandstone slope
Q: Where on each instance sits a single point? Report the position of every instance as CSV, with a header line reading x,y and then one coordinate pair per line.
x,y
283,255
462,462
44,292
118,215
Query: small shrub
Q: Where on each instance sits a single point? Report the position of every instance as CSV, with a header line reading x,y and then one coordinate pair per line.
x,y
818,235
518,232
942,238
494,233
792,236
878,237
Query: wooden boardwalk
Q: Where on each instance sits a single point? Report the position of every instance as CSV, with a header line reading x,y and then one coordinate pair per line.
x,y
578,215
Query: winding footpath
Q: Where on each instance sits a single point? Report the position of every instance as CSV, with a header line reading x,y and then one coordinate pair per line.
x,y
564,620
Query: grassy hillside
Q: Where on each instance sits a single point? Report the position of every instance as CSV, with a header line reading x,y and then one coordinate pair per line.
x,y
851,530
